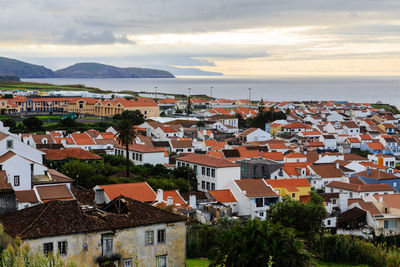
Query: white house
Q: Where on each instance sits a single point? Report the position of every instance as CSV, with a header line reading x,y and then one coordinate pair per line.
x,y
212,173
254,197
357,190
141,154
254,135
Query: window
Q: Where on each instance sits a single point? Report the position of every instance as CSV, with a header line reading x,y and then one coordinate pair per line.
x,y
334,201
140,157
203,185
195,169
390,224
16,180
107,244
203,170
10,144
293,194
62,247
259,202
261,214
212,172
394,184
149,238
208,185
127,262
179,164
47,248
208,171
328,222
351,194
212,186
161,236
189,150
161,261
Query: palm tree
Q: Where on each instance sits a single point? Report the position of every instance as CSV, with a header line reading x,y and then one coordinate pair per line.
x,y
126,134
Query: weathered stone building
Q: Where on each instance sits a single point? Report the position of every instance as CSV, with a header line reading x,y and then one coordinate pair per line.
x,y
126,231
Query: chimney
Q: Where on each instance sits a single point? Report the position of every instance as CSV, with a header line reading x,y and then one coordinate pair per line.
x,y
170,201
337,165
319,156
99,196
192,201
160,195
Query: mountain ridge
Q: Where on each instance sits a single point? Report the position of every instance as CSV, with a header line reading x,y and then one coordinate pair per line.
x,y
9,66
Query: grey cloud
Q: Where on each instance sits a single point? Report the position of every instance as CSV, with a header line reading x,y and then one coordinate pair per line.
x,y
72,36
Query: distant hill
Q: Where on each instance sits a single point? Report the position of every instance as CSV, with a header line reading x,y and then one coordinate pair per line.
x,y
191,72
97,70
22,69
9,78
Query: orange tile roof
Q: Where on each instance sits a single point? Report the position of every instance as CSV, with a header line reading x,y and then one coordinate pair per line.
x,y
295,155
53,192
392,200
277,156
177,199
142,148
290,184
215,154
60,154
353,140
255,188
207,161
224,195
209,143
82,139
375,146
138,191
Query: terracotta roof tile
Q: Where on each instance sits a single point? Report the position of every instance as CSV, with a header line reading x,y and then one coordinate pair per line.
x,y
207,161
60,154
224,195
26,196
255,188
139,191
54,192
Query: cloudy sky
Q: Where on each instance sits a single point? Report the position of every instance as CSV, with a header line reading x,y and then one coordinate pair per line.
x,y
236,37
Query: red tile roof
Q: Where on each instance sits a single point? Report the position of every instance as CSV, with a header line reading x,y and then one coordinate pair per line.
x,y
175,196
60,154
224,195
82,139
54,192
360,188
138,191
255,188
277,156
207,161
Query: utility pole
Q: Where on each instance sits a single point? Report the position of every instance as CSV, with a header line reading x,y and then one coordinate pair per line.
x,y
249,97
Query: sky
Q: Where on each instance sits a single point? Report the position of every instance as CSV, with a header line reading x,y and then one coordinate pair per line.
x,y
235,37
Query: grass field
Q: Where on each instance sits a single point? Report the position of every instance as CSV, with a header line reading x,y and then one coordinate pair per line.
x,y
197,263
327,264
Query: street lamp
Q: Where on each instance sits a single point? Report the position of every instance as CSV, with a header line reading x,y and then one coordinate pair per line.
x,y
249,97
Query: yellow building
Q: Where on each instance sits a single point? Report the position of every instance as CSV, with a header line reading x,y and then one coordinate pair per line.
x,y
275,128
82,105
108,108
294,188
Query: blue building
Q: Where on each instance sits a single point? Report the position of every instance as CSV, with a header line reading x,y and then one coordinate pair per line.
x,y
372,176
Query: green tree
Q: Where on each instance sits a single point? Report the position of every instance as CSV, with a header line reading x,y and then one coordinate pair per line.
x,y
241,122
124,125
79,170
9,123
305,218
254,243
33,124
200,124
8,96
189,108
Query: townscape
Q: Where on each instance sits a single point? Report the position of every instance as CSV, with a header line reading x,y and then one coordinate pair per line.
x,y
229,159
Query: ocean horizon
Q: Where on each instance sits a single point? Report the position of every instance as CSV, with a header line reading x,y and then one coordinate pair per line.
x,y
274,88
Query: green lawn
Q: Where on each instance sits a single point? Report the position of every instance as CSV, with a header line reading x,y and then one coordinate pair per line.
x,y
197,263
43,117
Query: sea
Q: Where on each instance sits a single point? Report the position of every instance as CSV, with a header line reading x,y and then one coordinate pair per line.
x,y
369,89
